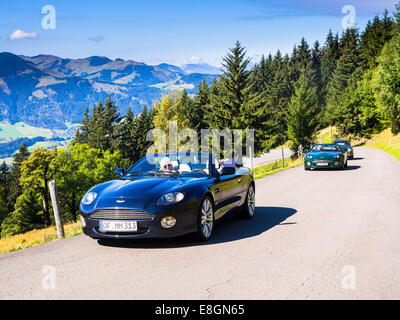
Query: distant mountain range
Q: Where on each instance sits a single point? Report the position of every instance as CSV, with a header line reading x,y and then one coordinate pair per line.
x,y
48,91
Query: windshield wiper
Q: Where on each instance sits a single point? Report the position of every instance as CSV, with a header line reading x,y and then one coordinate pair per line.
x,y
133,173
172,173
152,172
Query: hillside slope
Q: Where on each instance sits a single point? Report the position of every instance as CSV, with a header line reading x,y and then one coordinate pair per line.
x,y
386,141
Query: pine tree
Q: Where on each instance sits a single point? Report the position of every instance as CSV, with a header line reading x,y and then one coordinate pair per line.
x,y
4,180
302,113
111,118
345,72
388,79
3,206
209,110
200,103
236,105
15,189
145,123
329,58
277,99
96,136
316,57
101,130
376,34
23,218
185,112
234,89
84,130
303,59
126,131
262,74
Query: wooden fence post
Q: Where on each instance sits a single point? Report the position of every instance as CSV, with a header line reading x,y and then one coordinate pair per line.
x,y
56,208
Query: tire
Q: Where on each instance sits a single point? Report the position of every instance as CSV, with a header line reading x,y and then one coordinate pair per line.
x,y
249,205
205,220
305,168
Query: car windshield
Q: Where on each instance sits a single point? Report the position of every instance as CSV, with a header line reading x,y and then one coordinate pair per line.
x,y
325,147
342,143
185,164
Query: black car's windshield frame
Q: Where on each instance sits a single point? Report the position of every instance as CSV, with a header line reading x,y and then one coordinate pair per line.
x,y
178,164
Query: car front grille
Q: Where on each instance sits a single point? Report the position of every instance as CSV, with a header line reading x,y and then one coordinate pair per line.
x,y
120,214
322,161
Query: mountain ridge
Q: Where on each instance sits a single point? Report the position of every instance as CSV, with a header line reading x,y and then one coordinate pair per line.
x,y
49,91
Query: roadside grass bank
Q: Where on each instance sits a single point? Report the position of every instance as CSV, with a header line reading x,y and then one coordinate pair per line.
x,y
385,141
275,166
36,237
326,135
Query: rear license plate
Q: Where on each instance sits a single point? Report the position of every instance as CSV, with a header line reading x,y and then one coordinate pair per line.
x,y
322,164
117,226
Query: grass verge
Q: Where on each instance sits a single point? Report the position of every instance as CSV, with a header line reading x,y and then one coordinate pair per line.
x,y
36,237
275,166
387,142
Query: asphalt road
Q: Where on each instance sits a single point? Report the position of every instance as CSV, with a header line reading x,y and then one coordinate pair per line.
x,y
316,235
272,155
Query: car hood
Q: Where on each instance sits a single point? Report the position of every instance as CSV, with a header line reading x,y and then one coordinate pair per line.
x,y
136,192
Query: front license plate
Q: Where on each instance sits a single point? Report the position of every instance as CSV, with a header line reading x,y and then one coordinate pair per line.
x,y
117,226
322,164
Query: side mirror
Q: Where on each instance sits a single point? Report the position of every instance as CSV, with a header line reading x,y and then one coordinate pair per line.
x,y
227,171
120,171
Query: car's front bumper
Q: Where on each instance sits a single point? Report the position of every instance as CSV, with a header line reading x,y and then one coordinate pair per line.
x,y
146,228
331,164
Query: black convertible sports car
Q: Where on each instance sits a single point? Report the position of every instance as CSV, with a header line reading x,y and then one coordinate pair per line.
x,y
175,194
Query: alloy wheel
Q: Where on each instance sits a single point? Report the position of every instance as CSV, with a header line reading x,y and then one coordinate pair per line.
x,y
251,201
207,218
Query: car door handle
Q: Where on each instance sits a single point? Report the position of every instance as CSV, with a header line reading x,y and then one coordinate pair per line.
x,y
216,190
240,180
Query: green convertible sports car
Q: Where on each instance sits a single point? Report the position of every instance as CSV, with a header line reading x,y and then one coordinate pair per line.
x,y
326,156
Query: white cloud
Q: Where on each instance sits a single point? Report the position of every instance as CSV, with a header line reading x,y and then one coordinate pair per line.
x,y
193,59
96,38
196,60
19,34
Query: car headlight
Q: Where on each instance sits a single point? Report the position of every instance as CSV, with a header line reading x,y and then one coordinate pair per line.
x,y
171,197
89,197
337,156
309,157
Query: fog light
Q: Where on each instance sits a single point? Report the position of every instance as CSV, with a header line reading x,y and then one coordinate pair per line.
x,y
308,163
83,222
336,163
168,222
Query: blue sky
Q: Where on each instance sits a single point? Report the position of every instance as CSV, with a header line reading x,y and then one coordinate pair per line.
x,y
174,31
